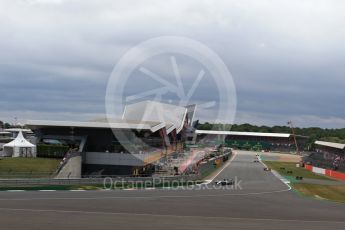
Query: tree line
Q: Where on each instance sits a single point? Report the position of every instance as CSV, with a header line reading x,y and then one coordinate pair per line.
x,y
314,133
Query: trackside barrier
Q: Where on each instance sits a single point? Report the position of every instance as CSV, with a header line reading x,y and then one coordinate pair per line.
x,y
319,170
206,167
327,172
95,181
335,174
309,167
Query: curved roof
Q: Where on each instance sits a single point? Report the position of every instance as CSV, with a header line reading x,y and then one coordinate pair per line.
x,y
330,144
5,132
18,130
173,116
20,141
113,124
234,133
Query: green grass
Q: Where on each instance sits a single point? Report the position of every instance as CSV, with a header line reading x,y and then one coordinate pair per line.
x,y
27,167
329,192
38,187
51,187
296,171
98,186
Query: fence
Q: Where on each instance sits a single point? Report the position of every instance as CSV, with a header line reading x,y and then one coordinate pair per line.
x,y
205,168
96,181
327,172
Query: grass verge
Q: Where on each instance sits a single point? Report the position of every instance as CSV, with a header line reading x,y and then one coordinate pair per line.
x,y
27,167
288,166
329,192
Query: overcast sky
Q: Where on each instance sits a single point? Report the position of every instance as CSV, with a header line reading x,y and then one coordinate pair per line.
x,y
287,58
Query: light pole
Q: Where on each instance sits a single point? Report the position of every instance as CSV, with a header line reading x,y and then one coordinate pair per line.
x,y
294,136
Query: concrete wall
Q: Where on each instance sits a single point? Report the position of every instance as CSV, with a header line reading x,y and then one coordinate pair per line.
x,y
205,168
88,181
72,169
99,158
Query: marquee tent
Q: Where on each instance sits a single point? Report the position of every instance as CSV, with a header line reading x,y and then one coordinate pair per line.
x,y
20,147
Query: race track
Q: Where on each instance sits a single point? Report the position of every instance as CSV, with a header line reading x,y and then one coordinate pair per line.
x,y
263,202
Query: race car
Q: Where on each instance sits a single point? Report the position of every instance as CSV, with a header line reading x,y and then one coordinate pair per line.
x,y
267,169
224,182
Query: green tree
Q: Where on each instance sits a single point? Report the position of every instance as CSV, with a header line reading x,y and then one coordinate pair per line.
x,y
314,133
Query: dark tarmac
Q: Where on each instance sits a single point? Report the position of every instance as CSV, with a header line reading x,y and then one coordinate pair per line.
x,y
263,202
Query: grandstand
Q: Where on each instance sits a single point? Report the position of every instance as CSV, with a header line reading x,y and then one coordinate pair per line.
x,y
280,142
327,155
149,130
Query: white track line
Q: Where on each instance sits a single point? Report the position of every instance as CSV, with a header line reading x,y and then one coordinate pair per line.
x,y
166,215
147,197
276,174
224,167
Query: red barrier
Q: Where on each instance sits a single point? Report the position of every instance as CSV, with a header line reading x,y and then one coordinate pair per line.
x,y
330,173
335,174
308,167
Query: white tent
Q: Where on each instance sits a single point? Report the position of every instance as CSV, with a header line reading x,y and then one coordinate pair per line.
x,y
20,147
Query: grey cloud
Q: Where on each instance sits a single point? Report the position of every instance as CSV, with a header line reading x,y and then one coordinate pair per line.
x,y
286,57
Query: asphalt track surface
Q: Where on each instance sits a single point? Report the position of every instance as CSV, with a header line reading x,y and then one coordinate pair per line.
x,y
264,202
